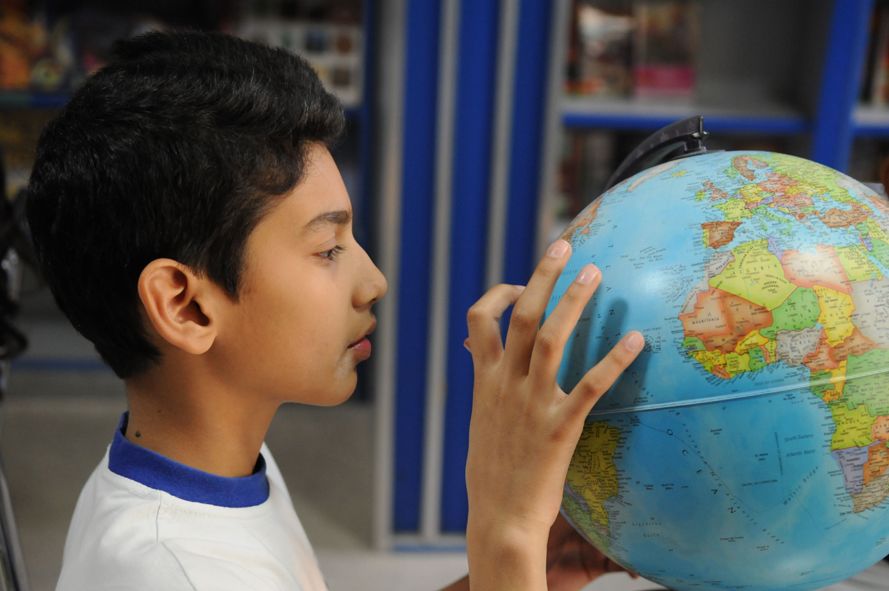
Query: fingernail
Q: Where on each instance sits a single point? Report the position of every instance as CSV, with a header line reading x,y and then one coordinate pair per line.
x,y
587,274
557,249
634,342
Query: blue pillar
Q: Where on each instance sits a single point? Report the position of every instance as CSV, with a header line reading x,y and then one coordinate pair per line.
x,y
840,82
471,176
418,191
530,95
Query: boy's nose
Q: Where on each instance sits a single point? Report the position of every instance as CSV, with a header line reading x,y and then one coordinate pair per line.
x,y
373,288
382,284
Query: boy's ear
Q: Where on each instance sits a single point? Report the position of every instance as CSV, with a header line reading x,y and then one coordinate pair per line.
x,y
179,305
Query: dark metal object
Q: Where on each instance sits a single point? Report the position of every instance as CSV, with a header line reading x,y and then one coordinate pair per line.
x,y
677,140
14,248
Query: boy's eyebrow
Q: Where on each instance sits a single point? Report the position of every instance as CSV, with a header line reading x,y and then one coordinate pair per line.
x,y
336,218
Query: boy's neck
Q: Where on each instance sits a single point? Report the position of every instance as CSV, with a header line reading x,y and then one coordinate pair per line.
x,y
202,425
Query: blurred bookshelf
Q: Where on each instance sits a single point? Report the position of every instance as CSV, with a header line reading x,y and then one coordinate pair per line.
x,y
778,75
48,47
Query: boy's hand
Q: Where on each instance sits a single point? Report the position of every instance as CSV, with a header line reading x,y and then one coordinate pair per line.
x,y
524,428
572,562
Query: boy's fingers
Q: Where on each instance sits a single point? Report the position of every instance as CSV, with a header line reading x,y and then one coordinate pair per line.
x,y
602,376
525,321
551,339
483,321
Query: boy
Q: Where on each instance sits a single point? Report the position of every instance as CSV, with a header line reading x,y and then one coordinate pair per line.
x,y
192,224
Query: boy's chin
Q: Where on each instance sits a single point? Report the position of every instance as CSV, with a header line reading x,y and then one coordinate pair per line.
x,y
336,401
331,398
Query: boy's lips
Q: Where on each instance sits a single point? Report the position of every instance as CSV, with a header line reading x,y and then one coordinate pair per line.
x,y
362,347
365,334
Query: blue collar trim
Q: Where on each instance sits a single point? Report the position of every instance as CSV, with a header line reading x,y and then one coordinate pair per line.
x,y
160,473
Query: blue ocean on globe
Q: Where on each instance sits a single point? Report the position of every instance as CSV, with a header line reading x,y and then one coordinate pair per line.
x,y
748,446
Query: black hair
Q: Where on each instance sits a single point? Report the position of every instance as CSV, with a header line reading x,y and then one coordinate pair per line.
x,y
177,148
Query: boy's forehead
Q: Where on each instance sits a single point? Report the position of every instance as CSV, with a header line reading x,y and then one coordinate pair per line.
x,y
341,217
320,198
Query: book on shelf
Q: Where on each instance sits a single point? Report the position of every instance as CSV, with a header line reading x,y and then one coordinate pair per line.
x,y
587,161
643,49
599,61
665,44
876,79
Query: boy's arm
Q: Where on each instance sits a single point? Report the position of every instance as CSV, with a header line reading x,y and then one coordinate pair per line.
x,y
571,562
524,428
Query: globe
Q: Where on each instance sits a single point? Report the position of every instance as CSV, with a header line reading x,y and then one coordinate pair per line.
x,y
746,447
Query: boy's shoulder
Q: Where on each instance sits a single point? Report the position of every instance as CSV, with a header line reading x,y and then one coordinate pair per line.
x,y
112,540
128,533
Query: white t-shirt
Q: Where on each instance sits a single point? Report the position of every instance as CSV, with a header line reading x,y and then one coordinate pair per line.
x,y
145,522
876,578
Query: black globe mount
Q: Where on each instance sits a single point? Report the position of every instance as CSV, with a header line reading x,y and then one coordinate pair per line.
x,y
678,140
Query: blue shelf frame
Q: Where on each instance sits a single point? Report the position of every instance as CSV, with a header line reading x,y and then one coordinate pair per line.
x,y
786,125
22,99
874,131
876,127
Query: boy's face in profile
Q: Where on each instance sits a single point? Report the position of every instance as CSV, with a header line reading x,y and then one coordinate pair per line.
x,y
296,332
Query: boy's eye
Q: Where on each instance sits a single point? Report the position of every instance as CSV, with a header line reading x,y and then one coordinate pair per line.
x,y
333,253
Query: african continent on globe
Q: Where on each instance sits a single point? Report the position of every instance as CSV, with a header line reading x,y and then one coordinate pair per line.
x,y
748,446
